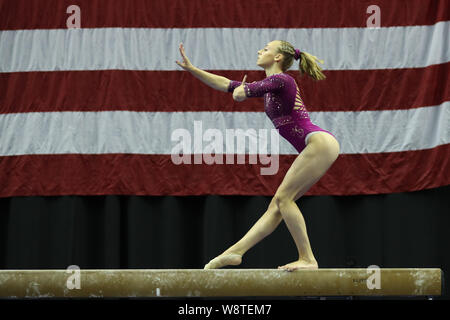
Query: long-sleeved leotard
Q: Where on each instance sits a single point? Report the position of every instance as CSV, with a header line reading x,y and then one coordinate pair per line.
x,y
284,106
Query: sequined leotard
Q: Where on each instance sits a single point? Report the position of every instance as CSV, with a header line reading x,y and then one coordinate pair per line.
x,y
284,106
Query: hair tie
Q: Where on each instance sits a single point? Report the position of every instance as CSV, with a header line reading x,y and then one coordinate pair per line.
x,y
297,54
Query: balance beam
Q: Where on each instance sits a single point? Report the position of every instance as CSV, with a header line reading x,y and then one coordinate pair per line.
x,y
217,283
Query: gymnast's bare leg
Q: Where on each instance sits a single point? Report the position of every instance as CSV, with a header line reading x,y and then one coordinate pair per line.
x,y
262,228
309,166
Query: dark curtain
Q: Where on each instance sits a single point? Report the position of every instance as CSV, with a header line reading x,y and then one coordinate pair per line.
x,y
110,232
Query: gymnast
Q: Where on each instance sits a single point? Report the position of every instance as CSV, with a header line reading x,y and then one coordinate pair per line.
x,y
318,148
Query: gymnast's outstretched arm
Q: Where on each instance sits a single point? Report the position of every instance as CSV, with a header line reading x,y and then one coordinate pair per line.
x,y
211,80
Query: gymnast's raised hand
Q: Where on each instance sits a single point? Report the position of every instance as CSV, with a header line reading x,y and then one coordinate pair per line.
x,y
186,64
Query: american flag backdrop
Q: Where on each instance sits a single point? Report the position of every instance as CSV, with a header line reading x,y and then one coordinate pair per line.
x,y
91,110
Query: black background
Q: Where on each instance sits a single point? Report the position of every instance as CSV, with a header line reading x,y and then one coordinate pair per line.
x,y
404,230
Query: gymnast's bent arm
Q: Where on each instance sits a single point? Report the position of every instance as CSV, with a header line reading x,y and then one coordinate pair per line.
x,y
211,80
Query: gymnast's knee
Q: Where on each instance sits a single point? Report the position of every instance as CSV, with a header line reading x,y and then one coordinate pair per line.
x,y
282,201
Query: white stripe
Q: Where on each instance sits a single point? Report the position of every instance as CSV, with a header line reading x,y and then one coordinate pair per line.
x,y
219,48
151,132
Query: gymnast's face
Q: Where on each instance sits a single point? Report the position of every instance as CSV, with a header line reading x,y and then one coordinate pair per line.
x,y
268,55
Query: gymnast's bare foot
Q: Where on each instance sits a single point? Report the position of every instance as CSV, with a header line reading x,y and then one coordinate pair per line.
x,y
300,264
225,259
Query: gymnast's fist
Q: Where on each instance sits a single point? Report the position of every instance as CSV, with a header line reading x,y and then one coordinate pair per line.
x,y
239,93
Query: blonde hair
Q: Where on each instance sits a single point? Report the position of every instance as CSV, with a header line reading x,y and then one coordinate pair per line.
x,y
307,63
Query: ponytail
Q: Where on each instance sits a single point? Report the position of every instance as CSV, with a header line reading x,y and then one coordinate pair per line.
x,y
307,62
309,66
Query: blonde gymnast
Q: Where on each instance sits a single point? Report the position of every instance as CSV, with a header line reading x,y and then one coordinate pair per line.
x,y
318,149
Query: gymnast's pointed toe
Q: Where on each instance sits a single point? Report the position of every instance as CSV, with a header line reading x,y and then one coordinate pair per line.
x,y
224,260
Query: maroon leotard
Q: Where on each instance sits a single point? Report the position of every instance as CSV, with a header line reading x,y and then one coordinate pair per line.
x,y
284,106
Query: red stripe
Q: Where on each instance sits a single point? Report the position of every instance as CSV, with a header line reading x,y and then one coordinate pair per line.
x,y
179,91
51,14
55,175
